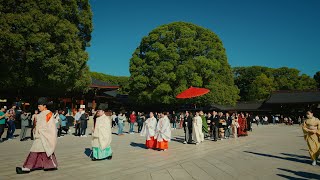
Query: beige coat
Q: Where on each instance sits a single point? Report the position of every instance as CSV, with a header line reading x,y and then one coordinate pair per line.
x,y
45,134
101,136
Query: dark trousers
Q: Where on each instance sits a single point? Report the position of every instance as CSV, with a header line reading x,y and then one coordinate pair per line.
x,y
187,134
59,131
1,130
31,132
23,132
83,131
11,129
139,127
113,123
77,133
214,132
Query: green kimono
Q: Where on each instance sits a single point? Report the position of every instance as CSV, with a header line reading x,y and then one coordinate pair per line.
x,y
204,125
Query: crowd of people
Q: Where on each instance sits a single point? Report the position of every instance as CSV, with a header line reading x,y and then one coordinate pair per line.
x,y
46,126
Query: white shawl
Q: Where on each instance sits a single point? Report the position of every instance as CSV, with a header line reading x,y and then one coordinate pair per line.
x,y
45,133
163,130
149,128
101,136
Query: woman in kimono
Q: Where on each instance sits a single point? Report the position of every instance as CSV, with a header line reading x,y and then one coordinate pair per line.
x,y
149,130
198,136
311,130
163,132
242,130
101,137
235,125
205,130
41,154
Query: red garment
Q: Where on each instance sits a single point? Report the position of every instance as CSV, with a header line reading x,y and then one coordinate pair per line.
x,y
162,145
150,144
40,160
242,130
133,118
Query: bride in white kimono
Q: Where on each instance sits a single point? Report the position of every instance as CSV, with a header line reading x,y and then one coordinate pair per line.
x,y
197,129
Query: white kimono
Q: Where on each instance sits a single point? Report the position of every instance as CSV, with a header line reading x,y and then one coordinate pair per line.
x,y
163,130
149,128
45,135
101,136
197,129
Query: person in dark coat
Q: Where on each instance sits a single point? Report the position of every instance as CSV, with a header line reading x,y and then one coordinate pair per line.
x,y
187,126
84,118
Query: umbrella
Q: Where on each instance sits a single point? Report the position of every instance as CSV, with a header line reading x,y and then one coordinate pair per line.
x,y
192,92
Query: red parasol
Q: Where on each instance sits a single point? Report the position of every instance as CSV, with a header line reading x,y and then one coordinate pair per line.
x,y
192,92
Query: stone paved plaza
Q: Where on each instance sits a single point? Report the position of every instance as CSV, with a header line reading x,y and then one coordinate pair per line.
x,y
269,152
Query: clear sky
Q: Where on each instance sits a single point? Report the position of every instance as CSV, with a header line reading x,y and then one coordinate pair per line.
x,y
271,33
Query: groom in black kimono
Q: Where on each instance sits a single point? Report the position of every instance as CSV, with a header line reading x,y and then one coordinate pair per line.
x,y
187,126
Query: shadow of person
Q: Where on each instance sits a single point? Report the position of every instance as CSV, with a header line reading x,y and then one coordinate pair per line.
x,y
178,139
87,152
140,145
302,174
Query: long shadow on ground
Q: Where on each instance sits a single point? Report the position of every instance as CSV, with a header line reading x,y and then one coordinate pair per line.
x,y
301,174
291,158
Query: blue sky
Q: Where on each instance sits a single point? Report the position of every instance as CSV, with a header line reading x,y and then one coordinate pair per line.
x,y
273,33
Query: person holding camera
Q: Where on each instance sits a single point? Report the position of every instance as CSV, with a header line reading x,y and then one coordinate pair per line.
x,y
25,117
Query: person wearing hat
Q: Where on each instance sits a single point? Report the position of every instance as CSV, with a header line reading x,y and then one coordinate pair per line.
x,y
41,154
101,136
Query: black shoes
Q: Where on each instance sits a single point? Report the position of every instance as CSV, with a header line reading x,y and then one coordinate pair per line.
x,y
20,171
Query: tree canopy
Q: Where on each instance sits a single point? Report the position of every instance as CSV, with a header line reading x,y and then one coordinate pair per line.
x,y
174,57
123,81
43,42
316,77
256,82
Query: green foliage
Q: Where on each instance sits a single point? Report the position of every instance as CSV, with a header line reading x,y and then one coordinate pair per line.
x,y
123,81
316,77
174,57
42,44
261,87
256,82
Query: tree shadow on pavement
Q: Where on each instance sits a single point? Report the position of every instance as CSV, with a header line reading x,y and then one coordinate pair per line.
x,y
301,174
291,158
297,156
140,145
290,177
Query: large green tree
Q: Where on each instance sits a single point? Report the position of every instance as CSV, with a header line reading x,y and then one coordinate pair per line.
x,y
42,44
316,77
174,57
